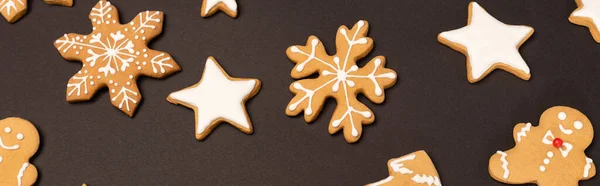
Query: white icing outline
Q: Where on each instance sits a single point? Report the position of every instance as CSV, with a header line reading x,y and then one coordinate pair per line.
x,y
21,173
230,4
14,147
504,164
588,166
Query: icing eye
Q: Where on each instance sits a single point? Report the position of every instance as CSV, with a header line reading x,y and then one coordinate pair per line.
x,y
20,136
7,130
562,116
578,125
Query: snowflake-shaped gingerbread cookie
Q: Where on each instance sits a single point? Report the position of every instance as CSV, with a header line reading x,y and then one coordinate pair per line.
x,y
339,78
551,154
114,55
13,10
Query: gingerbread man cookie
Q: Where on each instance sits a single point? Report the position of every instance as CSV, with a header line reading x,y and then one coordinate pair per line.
x,y
19,140
210,7
551,154
12,10
114,55
339,78
415,169
588,14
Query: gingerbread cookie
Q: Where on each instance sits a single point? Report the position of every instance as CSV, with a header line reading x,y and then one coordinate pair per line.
x,y
489,44
210,7
114,56
588,14
551,154
60,2
339,78
12,10
218,98
415,169
19,141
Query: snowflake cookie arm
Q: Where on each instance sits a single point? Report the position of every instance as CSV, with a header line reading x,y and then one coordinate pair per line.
x,y
104,13
372,79
83,86
12,10
350,114
308,97
311,58
60,2
353,45
124,94
156,64
147,25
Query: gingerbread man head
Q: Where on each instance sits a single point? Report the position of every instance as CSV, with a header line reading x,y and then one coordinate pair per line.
x,y
551,154
19,140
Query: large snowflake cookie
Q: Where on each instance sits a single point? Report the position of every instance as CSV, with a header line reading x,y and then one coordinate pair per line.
x,y
489,44
210,7
12,10
340,78
19,141
114,55
588,14
218,98
415,169
551,154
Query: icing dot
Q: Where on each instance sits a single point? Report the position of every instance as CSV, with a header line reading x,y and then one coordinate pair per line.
x,y
542,168
20,136
111,81
109,16
562,116
137,53
113,90
78,38
550,154
126,29
7,129
143,38
139,68
130,76
142,31
578,125
0,159
116,84
132,24
546,161
128,83
144,50
114,21
144,63
137,37
91,83
97,77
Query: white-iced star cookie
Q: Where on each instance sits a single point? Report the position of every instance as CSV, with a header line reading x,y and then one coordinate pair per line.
x,y
588,14
210,7
218,98
489,44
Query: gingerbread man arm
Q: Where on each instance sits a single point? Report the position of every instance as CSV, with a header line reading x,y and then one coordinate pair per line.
x,y
28,175
521,130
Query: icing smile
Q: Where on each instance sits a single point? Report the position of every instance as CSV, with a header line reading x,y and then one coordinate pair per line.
x,y
563,130
8,147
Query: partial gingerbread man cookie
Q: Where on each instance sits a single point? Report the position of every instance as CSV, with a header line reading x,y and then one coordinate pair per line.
x,y
218,98
13,10
19,141
551,154
588,14
210,7
114,55
415,169
339,78
489,44
60,2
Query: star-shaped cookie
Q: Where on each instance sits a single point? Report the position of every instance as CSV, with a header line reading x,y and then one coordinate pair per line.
x,y
114,55
588,14
218,98
489,44
210,7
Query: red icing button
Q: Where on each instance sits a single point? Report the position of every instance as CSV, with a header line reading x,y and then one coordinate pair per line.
x,y
557,142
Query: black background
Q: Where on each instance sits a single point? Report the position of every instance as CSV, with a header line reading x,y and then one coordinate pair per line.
x,y
432,106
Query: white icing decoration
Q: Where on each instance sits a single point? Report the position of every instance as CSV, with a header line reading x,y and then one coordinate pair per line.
x,y
20,136
565,131
542,168
343,76
578,125
562,116
588,166
7,130
217,97
504,164
523,132
0,159
210,4
548,137
546,161
590,10
550,154
14,147
398,166
381,182
10,5
489,42
21,173
430,180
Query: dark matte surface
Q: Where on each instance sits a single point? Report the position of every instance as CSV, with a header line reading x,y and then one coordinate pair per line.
x,y
432,107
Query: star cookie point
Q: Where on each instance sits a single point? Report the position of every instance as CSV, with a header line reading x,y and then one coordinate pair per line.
x,y
218,98
587,14
489,44
210,7
114,55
